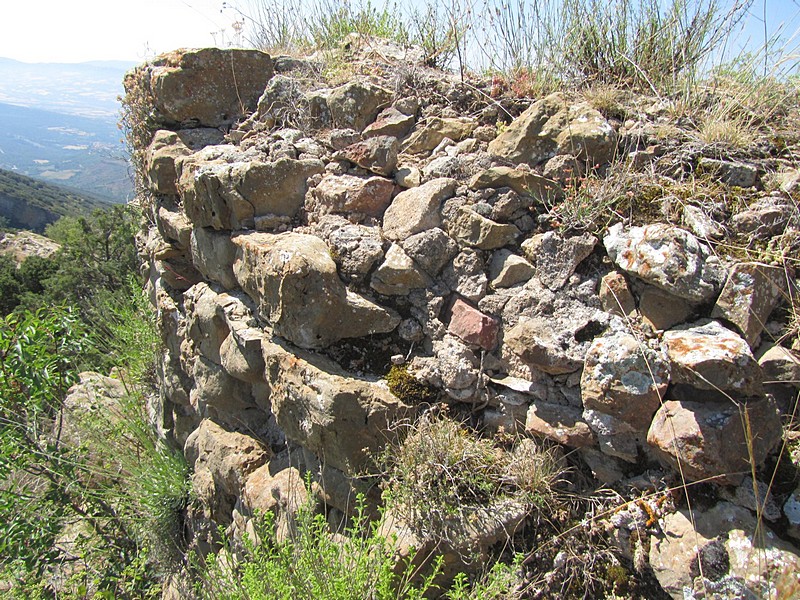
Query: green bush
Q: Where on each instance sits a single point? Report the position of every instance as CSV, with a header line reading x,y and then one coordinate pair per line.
x,y
313,563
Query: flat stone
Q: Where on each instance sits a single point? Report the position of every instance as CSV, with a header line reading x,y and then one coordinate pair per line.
x,y
431,249
507,269
377,154
560,424
346,194
397,275
555,257
708,356
702,225
430,134
662,310
615,295
521,181
417,209
159,161
295,284
472,326
391,122
733,173
669,258
751,293
710,440
534,342
625,378
174,227
475,230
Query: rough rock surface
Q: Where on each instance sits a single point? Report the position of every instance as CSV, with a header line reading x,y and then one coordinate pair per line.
x,y
417,209
294,282
708,356
667,257
710,439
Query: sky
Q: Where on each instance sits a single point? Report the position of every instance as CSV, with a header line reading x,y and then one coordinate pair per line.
x,y
136,30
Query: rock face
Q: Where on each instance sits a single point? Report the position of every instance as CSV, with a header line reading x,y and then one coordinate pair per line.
x,y
667,257
294,282
309,242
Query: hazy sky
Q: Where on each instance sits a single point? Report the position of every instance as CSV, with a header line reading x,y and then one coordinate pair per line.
x,y
80,30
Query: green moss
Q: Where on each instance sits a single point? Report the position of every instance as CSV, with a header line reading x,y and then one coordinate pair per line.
x,y
408,388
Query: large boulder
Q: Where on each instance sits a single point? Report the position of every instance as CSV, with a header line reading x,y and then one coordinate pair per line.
x,y
719,441
667,257
293,280
210,87
344,420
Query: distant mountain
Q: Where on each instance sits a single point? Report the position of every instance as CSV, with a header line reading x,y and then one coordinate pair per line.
x,y
27,203
58,122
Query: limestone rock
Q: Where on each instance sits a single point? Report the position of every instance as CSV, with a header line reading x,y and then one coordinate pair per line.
x,y
615,295
522,182
749,296
344,420
223,398
347,194
281,493
431,249
240,354
667,257
228,457
391,122
561,424
730,172
507,269
472,326
356,104
555,257
166,147
709,438
294,282
377,154
662,310
22,244
536,344
430,134
210,87
625,378
174,227
466,275
472,229
223,189
398,274
702,225
780,365
708,356
355,248
417,209
550,127
737,556
213,254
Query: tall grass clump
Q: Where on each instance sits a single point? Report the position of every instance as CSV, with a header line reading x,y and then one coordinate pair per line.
x,y
313,562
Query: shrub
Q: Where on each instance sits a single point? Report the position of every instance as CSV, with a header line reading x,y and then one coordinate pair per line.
x,y
442,477
313,563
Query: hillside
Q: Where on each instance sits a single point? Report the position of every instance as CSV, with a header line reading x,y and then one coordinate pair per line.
x,y
27,203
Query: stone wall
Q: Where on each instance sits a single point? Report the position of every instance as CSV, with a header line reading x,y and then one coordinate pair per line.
x,y
306,235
